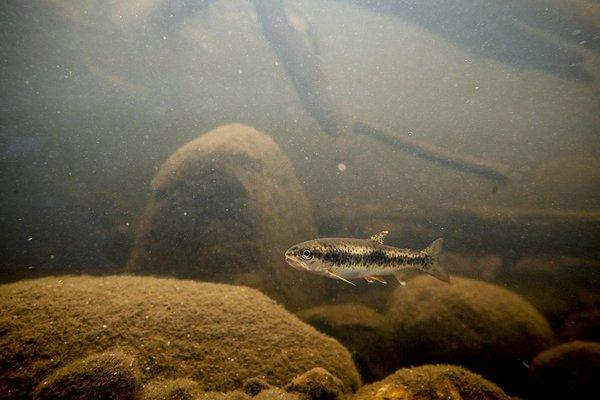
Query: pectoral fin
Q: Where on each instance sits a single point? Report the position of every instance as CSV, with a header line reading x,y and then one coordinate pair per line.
x,y
379,237
335,276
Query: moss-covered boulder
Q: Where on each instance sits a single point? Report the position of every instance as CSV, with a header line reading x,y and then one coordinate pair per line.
x,y
318,384
582,325
568,371
225,207
279,394
217,335
110,375
362,330
557,286
172,389
235,395
479,325
432,382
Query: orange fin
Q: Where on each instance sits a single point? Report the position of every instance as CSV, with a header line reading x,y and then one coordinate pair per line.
x,y
335,276
400,278
374,278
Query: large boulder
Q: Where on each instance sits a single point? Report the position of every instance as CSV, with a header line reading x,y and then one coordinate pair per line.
x,y
318,384
557,286
225,207
217,335
582,325
171,389
110,375
432,382
362,330
479,325
568,371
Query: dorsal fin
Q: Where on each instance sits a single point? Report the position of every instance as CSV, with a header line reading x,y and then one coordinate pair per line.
x,y
379,237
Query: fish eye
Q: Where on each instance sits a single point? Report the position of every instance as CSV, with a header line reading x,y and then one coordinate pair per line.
x,y
306,254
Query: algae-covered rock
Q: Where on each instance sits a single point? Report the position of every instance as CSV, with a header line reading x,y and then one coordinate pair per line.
x,y
272,393
217,335
279,394
111,375
568,371
235,395
582,325
175,389
432,382
317,384
362,330
557,286
225,207
254,386
479,325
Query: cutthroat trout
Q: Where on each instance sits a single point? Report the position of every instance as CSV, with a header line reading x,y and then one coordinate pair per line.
x,y
369,259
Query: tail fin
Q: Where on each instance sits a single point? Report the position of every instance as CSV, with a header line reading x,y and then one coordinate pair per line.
x,y
435,269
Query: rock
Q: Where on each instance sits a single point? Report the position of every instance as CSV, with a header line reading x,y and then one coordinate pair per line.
x,y
432,382
318,384
362,330
176,389
582,325
235,395
254,386
567,371
479,325
272,393
225,207
110,375
557,286
278,394
217,335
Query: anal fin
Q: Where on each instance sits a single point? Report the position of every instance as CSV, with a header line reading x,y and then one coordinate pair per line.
x,y
400,278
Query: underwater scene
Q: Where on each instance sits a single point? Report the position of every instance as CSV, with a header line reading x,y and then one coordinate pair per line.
x,y
300,200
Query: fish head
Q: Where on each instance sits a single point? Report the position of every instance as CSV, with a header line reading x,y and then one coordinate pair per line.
x,y
305,257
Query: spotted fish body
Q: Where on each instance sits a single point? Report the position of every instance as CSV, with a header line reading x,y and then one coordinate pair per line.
x,y
370,259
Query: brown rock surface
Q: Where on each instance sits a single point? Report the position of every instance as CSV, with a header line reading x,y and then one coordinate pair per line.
x,y
432,382
217,335
582,325
111,375
568,371
318,384
175,389
362,330
557,286
475,324
225,207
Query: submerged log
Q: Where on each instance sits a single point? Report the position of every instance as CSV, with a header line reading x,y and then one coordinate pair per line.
x,y
309,80
429,152
301,64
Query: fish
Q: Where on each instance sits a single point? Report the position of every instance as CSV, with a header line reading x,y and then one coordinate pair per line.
x,y
369,259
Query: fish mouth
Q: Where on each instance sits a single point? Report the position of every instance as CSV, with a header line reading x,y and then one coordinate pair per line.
x,y
295,263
